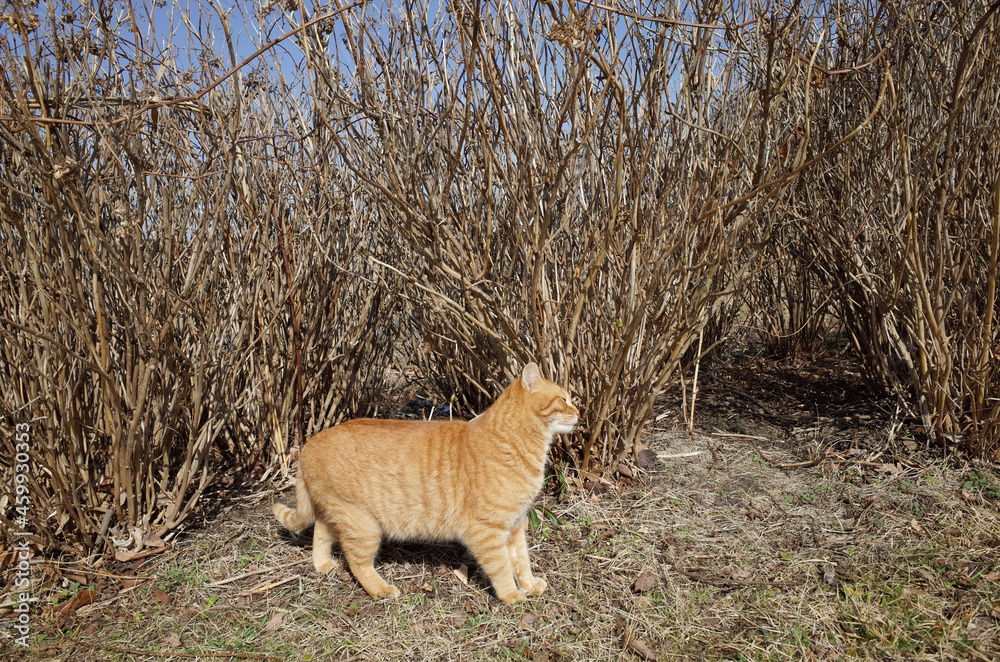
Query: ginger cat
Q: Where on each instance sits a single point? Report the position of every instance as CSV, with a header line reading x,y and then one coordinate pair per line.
x,y
467,481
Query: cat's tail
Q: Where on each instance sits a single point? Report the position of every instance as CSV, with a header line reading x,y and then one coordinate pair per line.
x,y
303,515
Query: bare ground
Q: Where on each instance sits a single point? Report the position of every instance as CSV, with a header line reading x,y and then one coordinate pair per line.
x,y
803,520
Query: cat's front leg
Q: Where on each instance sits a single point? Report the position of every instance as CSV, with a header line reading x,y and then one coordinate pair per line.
x,y
488,544
517,547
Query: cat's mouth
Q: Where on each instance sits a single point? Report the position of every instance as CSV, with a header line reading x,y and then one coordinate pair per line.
x,y
563,427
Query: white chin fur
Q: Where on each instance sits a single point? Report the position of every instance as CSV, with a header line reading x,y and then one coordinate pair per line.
x,y
561,428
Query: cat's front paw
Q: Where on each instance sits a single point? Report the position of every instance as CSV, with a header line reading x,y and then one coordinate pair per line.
x,y
328,566
512,597
388,592
537,586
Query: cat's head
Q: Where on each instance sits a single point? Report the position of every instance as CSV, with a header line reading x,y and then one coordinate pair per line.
x,y
549,402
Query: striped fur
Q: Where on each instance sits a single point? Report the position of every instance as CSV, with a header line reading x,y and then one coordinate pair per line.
x,y
473,482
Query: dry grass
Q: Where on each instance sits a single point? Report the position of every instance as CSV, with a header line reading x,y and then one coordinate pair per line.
x,y
860,555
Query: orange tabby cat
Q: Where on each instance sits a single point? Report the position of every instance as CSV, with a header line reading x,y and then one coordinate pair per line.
x,y
473,482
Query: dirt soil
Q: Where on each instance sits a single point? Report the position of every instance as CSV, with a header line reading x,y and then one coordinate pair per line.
x,y
803,519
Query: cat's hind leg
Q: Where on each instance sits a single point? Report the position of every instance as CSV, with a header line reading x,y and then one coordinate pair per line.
x,y
360,537
517,546
324,536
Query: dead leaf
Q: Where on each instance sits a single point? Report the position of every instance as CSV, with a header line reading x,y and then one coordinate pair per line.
x,y
531,620
545,656
162,597
594,483
153,540
82,599
646,581
645,458
993,576
741,574
624,471
80,578
129,582
123,555
638,647
274,622
462,572
928,577
172,640
916,526
7,558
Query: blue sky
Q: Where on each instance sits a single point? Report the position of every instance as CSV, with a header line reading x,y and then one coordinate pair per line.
x,y
186,26
171,26
185,35
176,32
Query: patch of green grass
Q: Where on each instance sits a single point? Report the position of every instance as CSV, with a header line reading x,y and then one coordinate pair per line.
x,y
483,617
888,616
810,495
701,596
519,653
798,636
247,560
67,594
181,575
977,481
545,532
209,603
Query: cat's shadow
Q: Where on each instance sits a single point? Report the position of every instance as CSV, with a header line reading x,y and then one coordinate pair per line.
x,y
435,558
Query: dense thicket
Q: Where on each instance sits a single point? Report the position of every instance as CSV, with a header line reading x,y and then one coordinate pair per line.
x,y
207,256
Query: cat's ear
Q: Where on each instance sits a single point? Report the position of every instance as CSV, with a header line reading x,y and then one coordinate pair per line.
x,y
530,377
